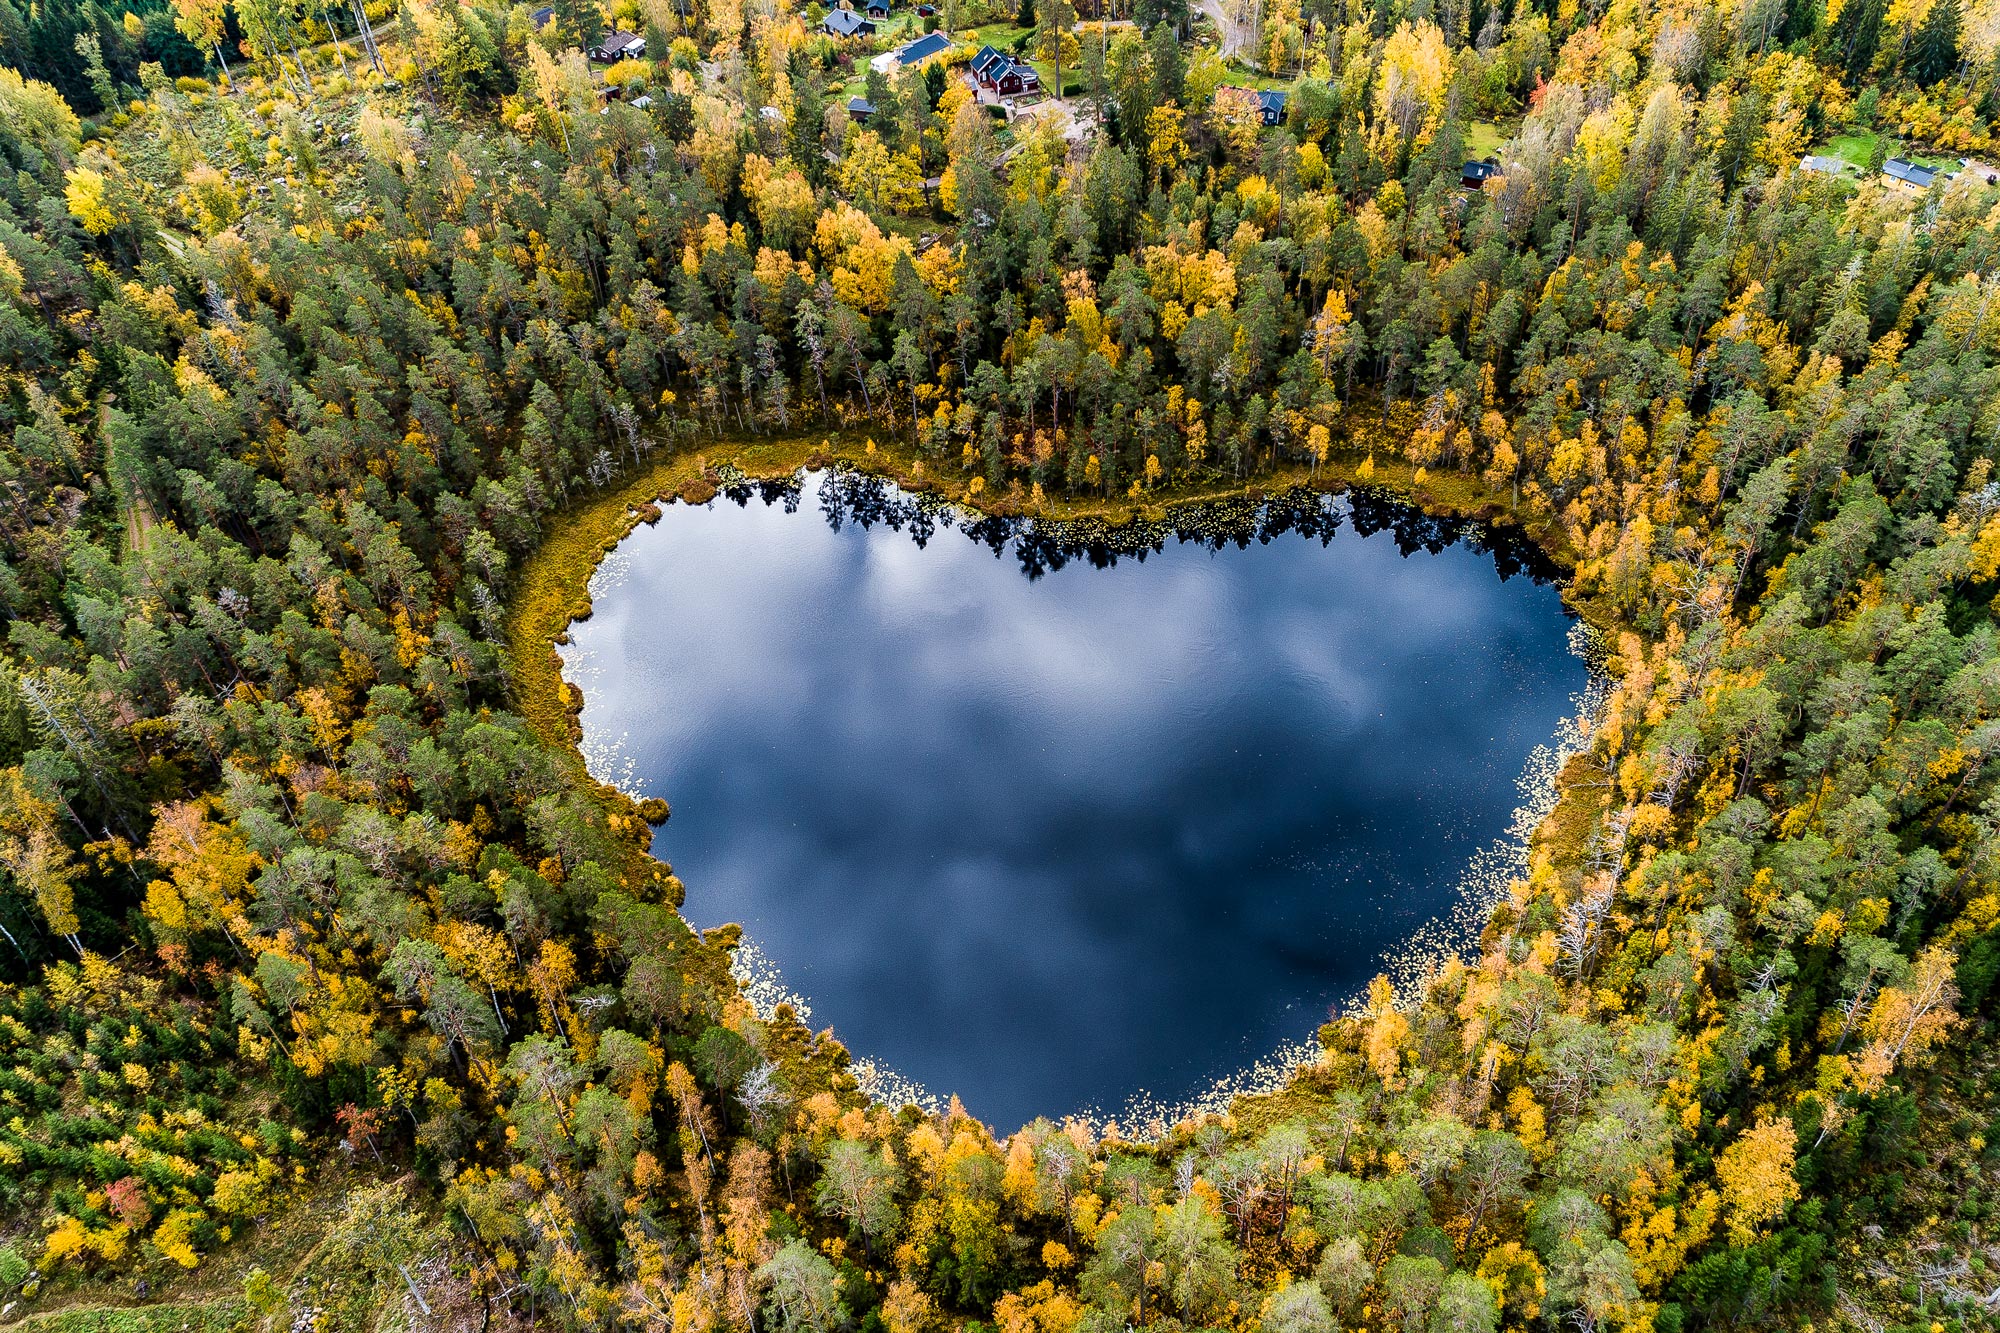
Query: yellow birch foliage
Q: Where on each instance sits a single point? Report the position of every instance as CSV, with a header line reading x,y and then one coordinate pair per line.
x,y
1756,1176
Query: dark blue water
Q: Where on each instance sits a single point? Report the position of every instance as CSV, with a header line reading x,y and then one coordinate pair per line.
x,y
1044,824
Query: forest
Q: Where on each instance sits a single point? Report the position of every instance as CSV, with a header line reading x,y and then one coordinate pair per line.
x,y
335,995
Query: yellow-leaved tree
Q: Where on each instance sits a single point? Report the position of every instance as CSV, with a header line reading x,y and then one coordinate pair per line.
x,y
34,854
88,197
1756,1176
1410,90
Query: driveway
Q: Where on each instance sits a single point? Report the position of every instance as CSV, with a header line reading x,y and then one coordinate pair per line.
x,y
1232,34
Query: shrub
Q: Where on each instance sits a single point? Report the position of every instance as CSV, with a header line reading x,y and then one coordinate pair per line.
x,y
628,72
175,1236
14,1268
238,1192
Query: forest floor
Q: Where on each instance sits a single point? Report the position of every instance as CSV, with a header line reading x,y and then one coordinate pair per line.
x,y
208,1299
299,1247
220,1315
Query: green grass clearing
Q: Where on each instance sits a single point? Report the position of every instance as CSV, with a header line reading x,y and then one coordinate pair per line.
x,y
1856,144
1072,76
1001,35
1485,138
1242,76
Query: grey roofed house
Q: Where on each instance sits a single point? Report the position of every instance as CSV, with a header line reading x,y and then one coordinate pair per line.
x,y
860,108
847,23
1474,175
540,18
642,101
618,46
1909,173
936,44
1830,166
1271,102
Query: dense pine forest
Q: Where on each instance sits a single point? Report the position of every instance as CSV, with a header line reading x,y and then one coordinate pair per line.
x,y
334,995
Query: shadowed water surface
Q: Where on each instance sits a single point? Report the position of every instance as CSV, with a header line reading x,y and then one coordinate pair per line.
x,y
1046,819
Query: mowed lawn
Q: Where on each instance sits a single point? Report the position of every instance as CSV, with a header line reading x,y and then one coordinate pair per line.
x,y
1485,138
1856,144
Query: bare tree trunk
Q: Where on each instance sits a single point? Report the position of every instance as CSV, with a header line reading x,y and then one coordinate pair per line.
x,y
334,37
367,31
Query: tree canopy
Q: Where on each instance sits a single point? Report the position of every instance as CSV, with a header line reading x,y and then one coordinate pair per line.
x,y
306,367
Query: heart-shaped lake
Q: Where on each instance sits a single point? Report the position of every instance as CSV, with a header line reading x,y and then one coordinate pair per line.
x,y
1126,823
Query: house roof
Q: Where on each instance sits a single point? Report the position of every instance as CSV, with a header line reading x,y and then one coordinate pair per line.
x,y
617,42
542,15
1832,166
1909,172
993,64
844,22
935,44
1250,99
1479,170
860,106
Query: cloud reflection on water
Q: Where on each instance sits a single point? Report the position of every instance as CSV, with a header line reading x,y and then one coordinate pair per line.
x,y
1046,842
